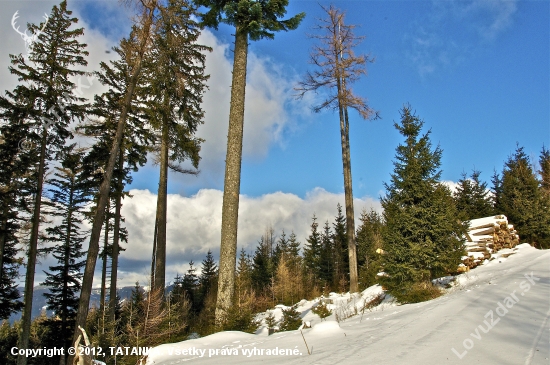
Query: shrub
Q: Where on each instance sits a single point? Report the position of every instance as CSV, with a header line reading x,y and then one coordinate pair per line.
x,y
322,310
417,292
291,319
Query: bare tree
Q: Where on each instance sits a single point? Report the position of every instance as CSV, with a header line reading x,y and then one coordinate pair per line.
x,y
338,68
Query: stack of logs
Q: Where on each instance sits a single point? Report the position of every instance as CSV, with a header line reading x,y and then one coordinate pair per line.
x,y
485,237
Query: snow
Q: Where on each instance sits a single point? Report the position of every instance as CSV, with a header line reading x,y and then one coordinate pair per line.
x,y
497,314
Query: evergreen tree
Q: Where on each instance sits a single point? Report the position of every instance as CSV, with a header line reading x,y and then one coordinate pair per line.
x,y
174,73
262,266
422,239
281,248
255,20
291,319
48,86
132,154
522,201
243,280
326,258
139,47
472,197
369,244
341,257
70,194
190,285
544,172
16,189
208,277
312,250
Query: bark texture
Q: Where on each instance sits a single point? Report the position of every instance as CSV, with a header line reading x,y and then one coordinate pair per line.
x,y
159,254
232,183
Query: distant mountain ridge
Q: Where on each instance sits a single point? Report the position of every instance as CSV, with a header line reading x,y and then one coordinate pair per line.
x,y
39,300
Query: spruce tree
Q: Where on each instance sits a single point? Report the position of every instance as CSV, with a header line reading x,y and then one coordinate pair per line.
x,y
252,20
281,248
208,277
190,285
175,79
133,150
326,259
291,319
422,238
262,266
69,195
48,83
472,197
369,244
312,251
16,188
522,201
139,47
243,281
544,162
341,257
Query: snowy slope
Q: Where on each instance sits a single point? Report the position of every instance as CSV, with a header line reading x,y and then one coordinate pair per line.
x,y
465,326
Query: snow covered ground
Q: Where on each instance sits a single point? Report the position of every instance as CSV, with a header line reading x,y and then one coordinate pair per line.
x,y
495,314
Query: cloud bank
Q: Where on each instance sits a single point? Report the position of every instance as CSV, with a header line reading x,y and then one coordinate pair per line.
x,y
194,225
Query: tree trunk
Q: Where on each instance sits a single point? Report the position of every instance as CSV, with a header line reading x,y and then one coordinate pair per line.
x,y
116,239
350,218
348,192
93,248
104,272
33,248
160,231
66,263
3,229
230,209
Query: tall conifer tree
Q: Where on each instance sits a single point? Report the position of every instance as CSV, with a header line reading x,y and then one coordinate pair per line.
x,y
522,201
252,20
56,57
174,72
422,238
70,193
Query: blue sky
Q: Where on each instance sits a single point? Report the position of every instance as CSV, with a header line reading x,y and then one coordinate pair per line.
x,y
476,72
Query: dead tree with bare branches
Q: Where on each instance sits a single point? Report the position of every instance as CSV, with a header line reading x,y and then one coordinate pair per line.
x,y
337,68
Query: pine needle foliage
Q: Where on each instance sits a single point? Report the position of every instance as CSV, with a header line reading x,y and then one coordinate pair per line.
x,y
423,237
291,319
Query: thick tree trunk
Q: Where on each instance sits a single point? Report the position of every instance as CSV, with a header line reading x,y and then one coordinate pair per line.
x,y
230,209
93,248
33,248
116,239
160,231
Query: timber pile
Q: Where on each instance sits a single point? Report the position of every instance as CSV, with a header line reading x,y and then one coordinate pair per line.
x,y
485,237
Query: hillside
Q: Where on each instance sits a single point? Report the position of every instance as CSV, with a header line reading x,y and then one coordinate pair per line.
x,y
499,311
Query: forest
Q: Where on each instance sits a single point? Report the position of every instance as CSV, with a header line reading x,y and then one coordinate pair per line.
x,y
151,109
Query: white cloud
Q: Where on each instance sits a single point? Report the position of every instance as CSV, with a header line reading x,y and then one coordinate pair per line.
x,y
453,186
194,224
